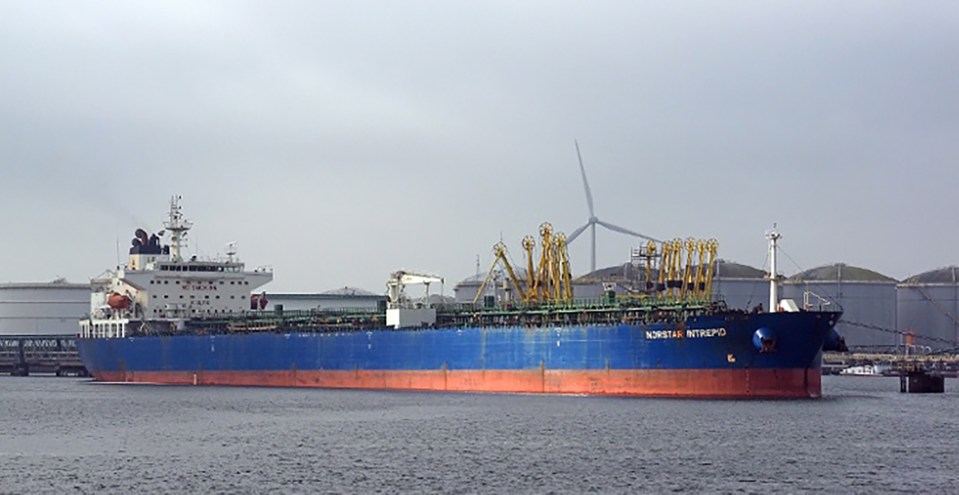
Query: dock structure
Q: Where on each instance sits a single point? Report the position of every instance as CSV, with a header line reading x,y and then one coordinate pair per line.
x,y
918,373
21,355
940,359
914,379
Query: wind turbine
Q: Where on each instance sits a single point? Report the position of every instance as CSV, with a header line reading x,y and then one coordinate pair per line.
x,y
593,220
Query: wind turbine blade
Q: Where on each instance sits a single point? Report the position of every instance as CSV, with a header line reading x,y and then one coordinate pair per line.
x,y
622,230
582,169
576,233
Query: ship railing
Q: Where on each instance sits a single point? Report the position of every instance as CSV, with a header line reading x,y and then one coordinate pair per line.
x,y
278,317
312,311
583,304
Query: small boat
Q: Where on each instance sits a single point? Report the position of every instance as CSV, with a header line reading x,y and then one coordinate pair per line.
x,y
867,370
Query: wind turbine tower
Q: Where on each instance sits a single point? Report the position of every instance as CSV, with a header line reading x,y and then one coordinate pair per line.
x,y
594,220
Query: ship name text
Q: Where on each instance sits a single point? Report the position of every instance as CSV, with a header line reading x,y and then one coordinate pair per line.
x,y
692,333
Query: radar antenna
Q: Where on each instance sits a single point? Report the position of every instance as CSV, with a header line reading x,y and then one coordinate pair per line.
x,y
178,228
231,250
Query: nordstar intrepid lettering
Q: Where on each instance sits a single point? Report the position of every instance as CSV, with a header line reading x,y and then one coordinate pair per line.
x,y
682,334
705,332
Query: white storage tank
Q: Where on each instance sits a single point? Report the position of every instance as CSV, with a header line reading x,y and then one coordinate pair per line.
x,y
866,297
53,308
465,291
621,279
928,306
741,286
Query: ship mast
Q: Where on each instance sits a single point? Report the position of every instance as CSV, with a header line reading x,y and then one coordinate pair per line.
x,y
773,236
178,227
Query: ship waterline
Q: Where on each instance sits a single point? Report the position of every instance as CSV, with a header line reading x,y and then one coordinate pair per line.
x,y
705,384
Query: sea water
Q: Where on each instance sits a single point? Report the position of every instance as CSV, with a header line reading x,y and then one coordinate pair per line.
x,y
63,435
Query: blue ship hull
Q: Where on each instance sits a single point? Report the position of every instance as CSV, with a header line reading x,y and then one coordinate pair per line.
x,y
720,355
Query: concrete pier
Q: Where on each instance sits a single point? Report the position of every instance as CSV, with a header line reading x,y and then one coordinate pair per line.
x,y
21,355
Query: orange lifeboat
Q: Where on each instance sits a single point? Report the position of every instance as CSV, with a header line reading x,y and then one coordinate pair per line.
x,y
118,301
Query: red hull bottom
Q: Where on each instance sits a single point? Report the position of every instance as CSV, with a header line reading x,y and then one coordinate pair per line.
x,y
742,384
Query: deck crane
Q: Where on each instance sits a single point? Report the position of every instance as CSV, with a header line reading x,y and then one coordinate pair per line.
x,y
545,281
529,244
650,256
399,312
687,288
699,278
500,254
671,268
664,264
713,246
676,278
553,280
400,279
565,274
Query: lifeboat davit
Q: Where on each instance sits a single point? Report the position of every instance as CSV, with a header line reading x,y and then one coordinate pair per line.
x,y
118,301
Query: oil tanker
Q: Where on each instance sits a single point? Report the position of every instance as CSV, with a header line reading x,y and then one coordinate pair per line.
x,y
171,319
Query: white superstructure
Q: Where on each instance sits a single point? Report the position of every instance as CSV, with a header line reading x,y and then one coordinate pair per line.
x,y
159,288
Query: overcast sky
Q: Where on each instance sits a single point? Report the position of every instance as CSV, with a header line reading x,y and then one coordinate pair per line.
x,y
340,141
